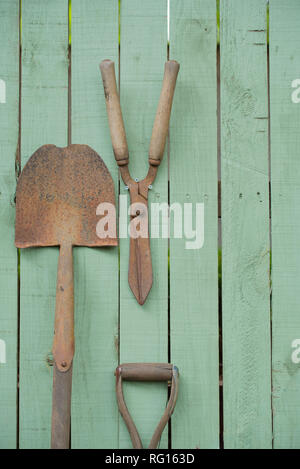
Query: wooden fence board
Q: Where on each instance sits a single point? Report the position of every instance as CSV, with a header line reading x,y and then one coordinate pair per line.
x,y
193,179
144,329
245,225
9,133
285,176
94,410
44,119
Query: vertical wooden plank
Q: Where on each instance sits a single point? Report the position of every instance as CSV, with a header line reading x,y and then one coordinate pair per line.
x,y
94,409
245,225
44,120
144,329
9,125
285,177
193,179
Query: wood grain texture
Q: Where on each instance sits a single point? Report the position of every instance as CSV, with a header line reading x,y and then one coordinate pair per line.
x,y
94,408
245,225
285,176
9,112
44,120
193,179
144,329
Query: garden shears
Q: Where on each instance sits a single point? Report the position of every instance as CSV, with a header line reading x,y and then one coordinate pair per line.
x,y
140,265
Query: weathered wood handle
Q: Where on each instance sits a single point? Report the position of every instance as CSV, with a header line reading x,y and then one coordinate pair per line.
x,y
63,344
61,409
146,371
163,113
114,112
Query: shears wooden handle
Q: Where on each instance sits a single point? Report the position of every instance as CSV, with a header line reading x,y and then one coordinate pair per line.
x,y
146,372
115,118
114,112
163,113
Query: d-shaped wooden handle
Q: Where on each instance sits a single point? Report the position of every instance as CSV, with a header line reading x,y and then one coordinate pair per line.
x,y
114,112
163,113
146,372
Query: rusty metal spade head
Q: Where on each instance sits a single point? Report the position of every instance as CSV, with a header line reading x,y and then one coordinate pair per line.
x,y
57,196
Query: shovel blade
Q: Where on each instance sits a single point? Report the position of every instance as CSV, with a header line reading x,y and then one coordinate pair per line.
x,y
57,197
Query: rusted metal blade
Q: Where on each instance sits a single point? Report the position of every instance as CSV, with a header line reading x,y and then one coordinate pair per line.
x,y
57,197
61,408
140,276
140,268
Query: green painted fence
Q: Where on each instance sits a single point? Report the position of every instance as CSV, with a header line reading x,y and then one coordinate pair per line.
x,y
233,330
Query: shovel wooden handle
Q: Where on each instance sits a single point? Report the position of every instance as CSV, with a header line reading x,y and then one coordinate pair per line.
x,y
114,112
63,350
61,409
63,344
163,113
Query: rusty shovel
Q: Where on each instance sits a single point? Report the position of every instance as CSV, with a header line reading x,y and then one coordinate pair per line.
x,y
57,197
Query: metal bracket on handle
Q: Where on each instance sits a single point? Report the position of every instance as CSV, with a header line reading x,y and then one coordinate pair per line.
x,y
146,372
